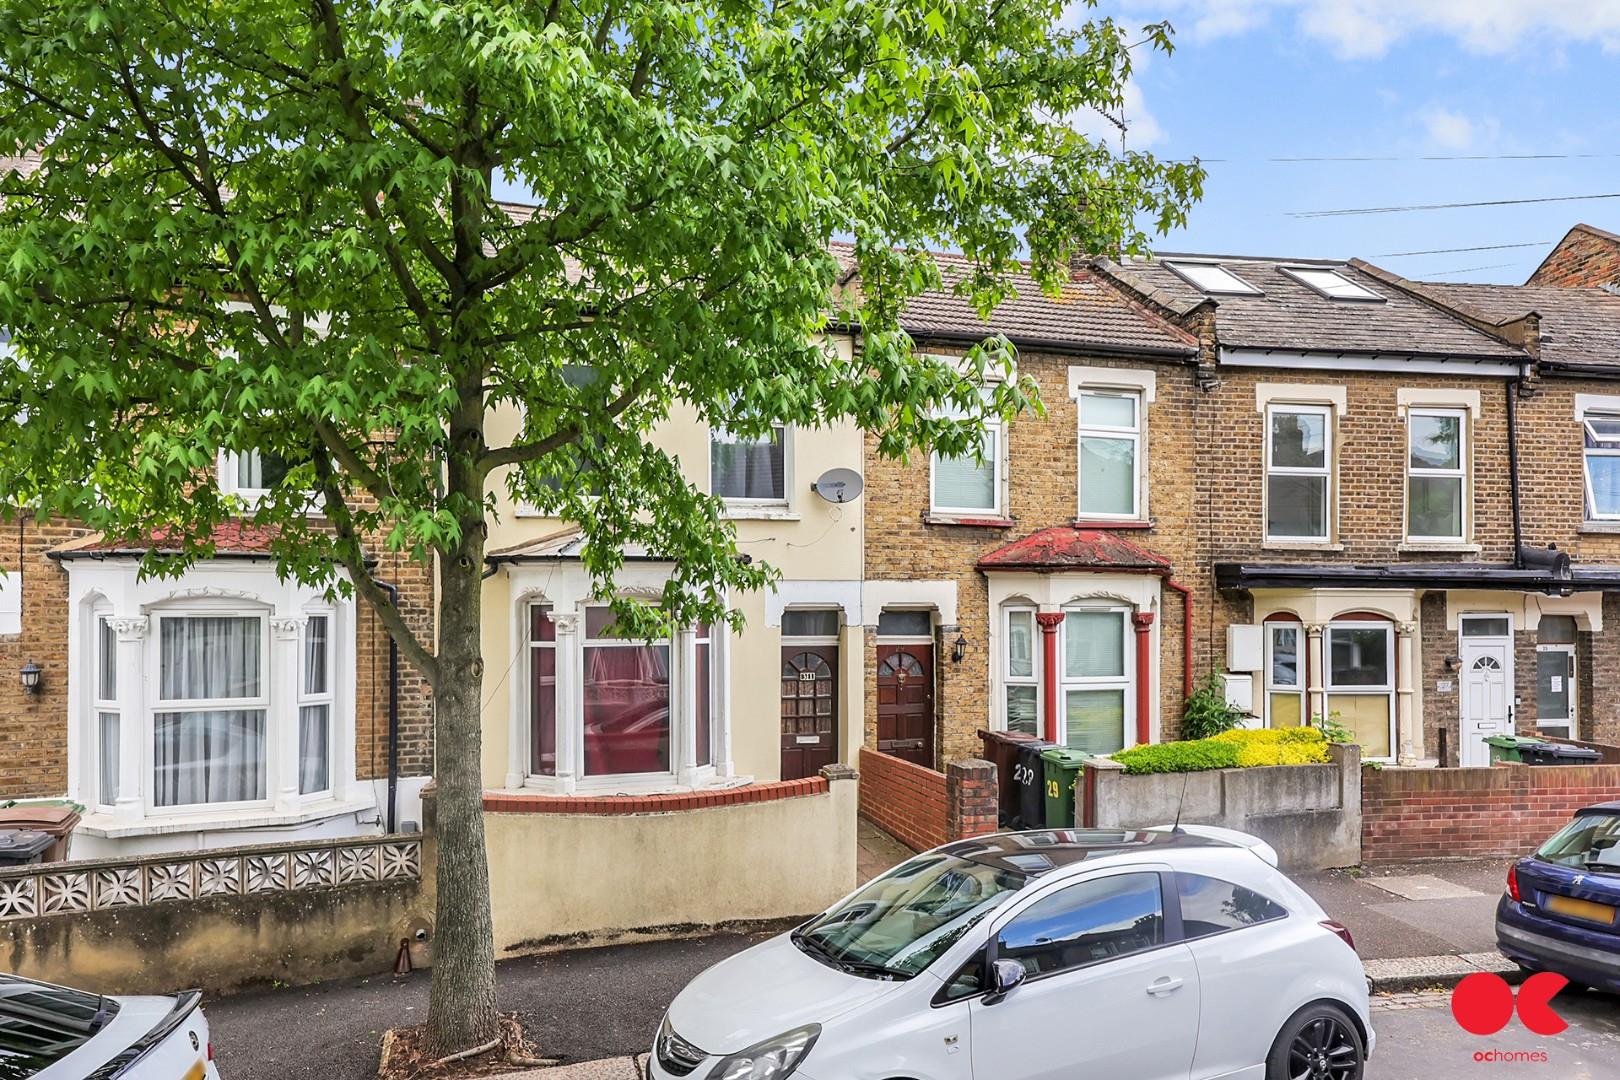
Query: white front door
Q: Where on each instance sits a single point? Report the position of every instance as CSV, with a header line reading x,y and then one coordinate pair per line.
x,y
1487,692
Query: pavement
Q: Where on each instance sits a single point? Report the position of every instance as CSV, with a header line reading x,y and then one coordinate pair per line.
x,y
1419,1040
1416,926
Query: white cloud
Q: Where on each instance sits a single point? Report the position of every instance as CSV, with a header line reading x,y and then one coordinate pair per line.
x,y
1359,29
1142,129
1449,130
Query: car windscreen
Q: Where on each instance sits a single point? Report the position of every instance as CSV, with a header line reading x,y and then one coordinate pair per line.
x,y
1591,842
903,921
40,1024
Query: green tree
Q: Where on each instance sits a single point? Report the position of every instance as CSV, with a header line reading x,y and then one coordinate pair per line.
x,y
265,224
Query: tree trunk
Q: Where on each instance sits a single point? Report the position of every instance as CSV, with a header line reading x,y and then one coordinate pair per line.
x,y
461,1009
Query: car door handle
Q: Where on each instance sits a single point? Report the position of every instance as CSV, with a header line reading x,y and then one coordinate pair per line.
x,y
1166,985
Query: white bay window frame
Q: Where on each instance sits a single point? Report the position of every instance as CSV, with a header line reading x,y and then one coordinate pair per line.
x,y
1011,674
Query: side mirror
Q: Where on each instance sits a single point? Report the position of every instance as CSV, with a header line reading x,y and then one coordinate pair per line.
x,y
1005,977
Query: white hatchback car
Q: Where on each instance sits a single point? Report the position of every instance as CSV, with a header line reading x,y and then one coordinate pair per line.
x,y
1164,954
54,1033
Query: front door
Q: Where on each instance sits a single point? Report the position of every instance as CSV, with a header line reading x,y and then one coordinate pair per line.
x,y
905,696
1487,689
809,709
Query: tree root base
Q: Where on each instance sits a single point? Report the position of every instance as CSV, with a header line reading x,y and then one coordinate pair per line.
x,y
405,1055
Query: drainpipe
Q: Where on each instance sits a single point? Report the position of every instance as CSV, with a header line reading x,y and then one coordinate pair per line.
x,y
393,712
1512,391
1143,622
1049,622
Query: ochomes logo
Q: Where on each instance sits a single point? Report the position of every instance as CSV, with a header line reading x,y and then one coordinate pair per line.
x,y
1484,1004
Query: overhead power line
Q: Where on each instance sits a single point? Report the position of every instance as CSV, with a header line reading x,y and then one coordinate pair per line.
x,y
1471,269
1443,206
1448,251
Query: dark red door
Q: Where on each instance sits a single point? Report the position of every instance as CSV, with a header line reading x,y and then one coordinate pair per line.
x,y
809,709
905,695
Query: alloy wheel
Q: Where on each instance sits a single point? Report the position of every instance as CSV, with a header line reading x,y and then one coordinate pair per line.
x,y
1324,1049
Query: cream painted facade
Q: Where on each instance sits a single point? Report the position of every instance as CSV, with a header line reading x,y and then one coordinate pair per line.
x,y
815,544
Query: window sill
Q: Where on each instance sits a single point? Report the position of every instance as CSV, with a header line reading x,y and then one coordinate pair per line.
x,y
1438,547
1300,545
969,520
550,788
1107,523
1600,527
760,513
110,827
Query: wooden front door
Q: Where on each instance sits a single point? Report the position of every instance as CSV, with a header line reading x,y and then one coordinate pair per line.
x,y
809,709
905,695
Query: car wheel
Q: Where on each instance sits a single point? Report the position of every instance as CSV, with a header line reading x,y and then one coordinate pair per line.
x,y
1320,1042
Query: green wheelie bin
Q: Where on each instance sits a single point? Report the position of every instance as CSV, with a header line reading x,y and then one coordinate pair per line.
x,y
1063,768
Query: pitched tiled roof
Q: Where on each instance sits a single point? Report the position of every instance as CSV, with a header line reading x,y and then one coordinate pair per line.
x,y
230,539
1578,326
1087,313
1064,547
1288,315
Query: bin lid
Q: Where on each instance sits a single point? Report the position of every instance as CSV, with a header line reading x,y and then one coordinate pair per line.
x,y
1064,755
23,844
57,819
1562,750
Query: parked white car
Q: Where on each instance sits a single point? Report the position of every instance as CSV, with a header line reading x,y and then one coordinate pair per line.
x,y
1155,955
55,1033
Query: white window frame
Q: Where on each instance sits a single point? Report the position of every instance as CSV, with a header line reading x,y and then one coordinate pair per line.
x,y
1240,287
1124,681
1008,679
328,698
1326,471
558,703
1588,452
100,623
1134,433
1301,659
156,704
1359,294
1460,474
11,601
742,505
996,437
1330,689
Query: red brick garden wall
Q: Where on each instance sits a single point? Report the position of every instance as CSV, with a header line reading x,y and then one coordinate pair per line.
x,y
903,799
1503,811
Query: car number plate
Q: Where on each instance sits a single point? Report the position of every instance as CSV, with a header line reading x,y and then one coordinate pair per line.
x,y
1581,909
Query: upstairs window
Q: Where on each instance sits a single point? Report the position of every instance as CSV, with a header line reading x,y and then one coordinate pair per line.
x,y
970,484
748,470
1436,474
1602,467
1299,472
10,601
1212,278
1110,450
1331,283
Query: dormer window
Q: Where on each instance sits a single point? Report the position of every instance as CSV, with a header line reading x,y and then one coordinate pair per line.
x,y
1212,278
1331,283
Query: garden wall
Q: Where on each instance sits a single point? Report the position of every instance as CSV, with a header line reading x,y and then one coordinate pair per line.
x,y
1506,810
904,799
219,920
1311,814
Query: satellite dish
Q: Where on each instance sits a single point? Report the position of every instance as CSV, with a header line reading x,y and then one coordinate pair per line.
x,y
839,485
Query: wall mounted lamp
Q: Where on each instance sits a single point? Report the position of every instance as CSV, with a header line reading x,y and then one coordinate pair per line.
x,y
31,673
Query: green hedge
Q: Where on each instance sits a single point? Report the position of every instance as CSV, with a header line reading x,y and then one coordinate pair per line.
x,y
1229,750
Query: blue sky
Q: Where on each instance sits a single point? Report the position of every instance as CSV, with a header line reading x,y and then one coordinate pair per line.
x,y
1252,80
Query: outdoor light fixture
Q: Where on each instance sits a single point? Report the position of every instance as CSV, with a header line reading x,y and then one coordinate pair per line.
x,y
958,649
30,677
1453,663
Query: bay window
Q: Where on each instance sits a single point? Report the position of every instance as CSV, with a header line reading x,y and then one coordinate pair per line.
x,y
603,708
1361,682
315,708
1021,672
1436,475
748,470
209,730
1299,472
105,705
1602,466
1095,685
1285,674
1110,451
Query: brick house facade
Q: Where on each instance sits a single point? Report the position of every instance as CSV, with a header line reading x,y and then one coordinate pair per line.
x,y
1586,256
48,736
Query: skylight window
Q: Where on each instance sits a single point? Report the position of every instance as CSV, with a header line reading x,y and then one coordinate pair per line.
x,y
1213,278
1331,283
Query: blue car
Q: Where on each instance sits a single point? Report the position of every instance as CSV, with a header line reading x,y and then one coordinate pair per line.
x,y
1560,910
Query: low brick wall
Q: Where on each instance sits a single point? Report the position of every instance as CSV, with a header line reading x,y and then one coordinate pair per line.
x,y
904,799
1506,810
220,920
